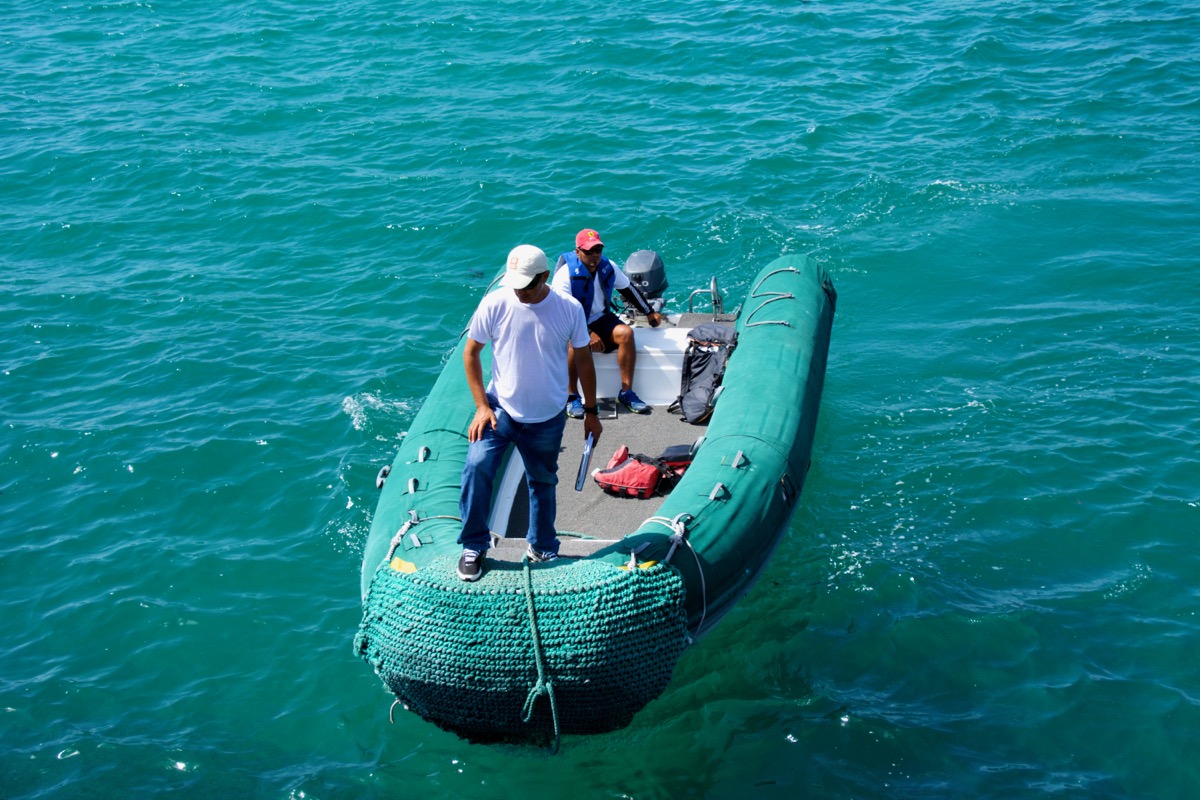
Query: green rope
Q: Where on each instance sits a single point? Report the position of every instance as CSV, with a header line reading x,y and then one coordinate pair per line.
x,y
543,686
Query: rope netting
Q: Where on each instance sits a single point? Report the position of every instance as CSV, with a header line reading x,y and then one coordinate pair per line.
x,y
474,658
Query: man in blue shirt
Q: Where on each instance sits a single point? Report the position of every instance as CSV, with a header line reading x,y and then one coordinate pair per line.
x,y
588,276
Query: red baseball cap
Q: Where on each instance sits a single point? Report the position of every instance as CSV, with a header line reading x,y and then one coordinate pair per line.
x,y
587,238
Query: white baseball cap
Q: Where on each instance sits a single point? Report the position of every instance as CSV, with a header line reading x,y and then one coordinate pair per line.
x,y
525,262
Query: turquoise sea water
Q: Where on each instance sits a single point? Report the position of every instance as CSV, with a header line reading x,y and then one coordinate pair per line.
x,y
238,239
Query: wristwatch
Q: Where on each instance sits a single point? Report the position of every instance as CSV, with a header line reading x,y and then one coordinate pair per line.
x,y
593,410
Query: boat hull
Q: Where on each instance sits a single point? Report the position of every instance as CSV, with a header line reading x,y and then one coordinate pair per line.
x,y
581,645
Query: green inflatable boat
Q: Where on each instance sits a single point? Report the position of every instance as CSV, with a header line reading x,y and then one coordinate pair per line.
x,y
581,644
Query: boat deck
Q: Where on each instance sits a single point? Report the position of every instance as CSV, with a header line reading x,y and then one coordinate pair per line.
x,y
592,519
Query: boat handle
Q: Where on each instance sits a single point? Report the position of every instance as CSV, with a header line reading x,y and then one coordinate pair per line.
x,y
381,478
777,296
412,485
763,279
717,491
737,460
422,454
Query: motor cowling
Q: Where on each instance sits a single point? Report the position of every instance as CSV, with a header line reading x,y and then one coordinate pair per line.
x,y
646,272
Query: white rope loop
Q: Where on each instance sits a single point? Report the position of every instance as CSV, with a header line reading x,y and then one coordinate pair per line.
x,y
679,537
413,520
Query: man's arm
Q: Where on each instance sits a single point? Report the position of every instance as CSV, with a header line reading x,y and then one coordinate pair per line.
x,y
561,282
484,415
586,370
634,297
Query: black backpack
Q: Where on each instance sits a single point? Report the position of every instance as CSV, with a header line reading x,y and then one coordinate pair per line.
x,y
709,346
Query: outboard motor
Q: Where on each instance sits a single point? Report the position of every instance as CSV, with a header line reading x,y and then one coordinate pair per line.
x,y
646,272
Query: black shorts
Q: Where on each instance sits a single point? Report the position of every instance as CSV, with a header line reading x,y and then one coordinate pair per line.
x,y
603,327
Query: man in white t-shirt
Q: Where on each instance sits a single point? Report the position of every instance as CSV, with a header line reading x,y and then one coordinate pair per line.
x,y
529,327
590,277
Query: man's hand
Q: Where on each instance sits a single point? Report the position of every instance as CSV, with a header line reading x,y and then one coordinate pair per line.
x,y
654,318
591,424
597,344
587,385
483,418
474,369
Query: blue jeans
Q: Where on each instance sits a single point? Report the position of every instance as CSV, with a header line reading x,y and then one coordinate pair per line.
x,y
539,444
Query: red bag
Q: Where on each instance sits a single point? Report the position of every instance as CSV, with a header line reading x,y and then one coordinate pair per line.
x,y
638,475
619,456
633,477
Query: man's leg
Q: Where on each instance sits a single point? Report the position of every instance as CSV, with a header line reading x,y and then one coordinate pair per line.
x,y
622,336
478,477
618,336
539,443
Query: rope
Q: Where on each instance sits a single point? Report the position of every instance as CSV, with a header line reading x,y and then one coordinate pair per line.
x,y
574,535
398,539
678,528
773,295
703,588
754,291
543,686
777,296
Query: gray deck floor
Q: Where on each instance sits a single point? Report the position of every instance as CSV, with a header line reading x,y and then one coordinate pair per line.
x,y
593,514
